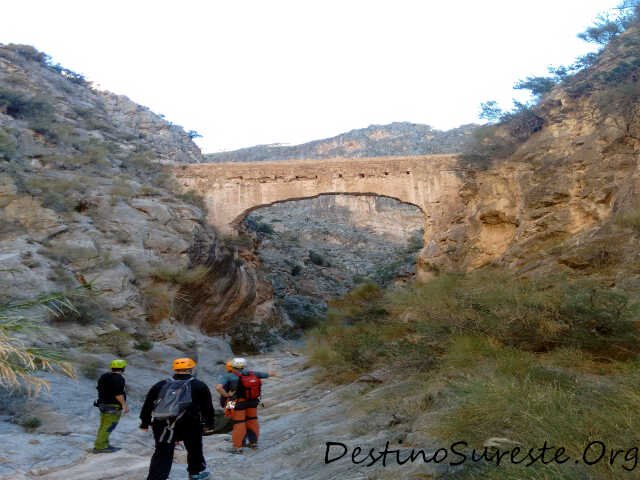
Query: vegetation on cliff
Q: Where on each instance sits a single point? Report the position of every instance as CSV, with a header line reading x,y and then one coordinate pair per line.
x,y
541,345
608,79
492,355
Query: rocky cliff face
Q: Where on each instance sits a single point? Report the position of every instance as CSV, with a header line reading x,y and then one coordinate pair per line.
x,y
399,138
315,250
85,201
558,191
567,199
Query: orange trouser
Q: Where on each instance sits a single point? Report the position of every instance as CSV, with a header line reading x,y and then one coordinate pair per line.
x,y
245,424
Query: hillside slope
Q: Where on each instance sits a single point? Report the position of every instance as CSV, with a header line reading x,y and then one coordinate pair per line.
x,y
85,201
399,138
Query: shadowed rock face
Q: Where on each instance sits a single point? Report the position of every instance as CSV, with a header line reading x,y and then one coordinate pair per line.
x,y
224,296
314,250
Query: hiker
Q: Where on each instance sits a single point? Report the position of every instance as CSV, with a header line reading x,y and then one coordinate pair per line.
x,y
112,402
223,399
176,408
243,388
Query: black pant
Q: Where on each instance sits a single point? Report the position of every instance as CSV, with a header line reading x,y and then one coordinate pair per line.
x,y
191,435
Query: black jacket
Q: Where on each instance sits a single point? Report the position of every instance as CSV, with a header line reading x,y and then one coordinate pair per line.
x,y
201,409
109,386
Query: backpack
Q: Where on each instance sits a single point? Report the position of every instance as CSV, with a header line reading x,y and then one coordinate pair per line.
x,y
173,401
249,386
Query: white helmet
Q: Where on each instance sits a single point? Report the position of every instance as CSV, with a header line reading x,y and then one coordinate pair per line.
x,y
238,363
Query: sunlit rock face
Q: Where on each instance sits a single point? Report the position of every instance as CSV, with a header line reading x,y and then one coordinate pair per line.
x,y
317,249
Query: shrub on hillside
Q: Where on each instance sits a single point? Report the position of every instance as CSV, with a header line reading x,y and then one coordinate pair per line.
x,y
115,342
528,315
58,193
8,145
253,223
318,259
91,369
194,198
567,398
38,112
28,52
181,275
143,345
629,219
157,301
18,105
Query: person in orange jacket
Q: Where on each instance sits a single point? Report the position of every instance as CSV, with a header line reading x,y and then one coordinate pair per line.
x,y
243,387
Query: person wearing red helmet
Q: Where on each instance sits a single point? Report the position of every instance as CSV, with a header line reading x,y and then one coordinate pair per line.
x,y
175,408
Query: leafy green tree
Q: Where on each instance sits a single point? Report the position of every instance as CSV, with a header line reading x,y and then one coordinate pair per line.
x,y
537,85
491,111
610,25
602,31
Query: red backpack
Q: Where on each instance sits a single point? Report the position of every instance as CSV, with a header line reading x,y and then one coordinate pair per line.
x,y
249,386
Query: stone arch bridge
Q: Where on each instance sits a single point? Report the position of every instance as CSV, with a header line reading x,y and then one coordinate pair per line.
x,y
436,184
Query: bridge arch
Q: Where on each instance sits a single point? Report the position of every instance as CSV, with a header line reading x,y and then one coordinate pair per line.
x,y
235,223
470,216
231,190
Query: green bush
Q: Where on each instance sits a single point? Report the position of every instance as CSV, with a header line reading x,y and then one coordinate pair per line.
x,y
623,71
629,219
241,241
143,345
8,145
88,310
93,153
29,422
38,112
123,188
180,276
17,105
523,314
263,227
415,242
91,369
497,357
193,198
503,393
116,342
28,52
318,259
56,193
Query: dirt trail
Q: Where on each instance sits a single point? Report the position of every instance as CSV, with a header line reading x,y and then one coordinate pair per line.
x,y
297,420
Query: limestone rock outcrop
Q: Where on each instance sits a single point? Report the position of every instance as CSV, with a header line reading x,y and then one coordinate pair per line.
x,y
86,200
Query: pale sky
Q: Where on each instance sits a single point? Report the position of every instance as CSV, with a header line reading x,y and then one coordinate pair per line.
x,y
248,72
